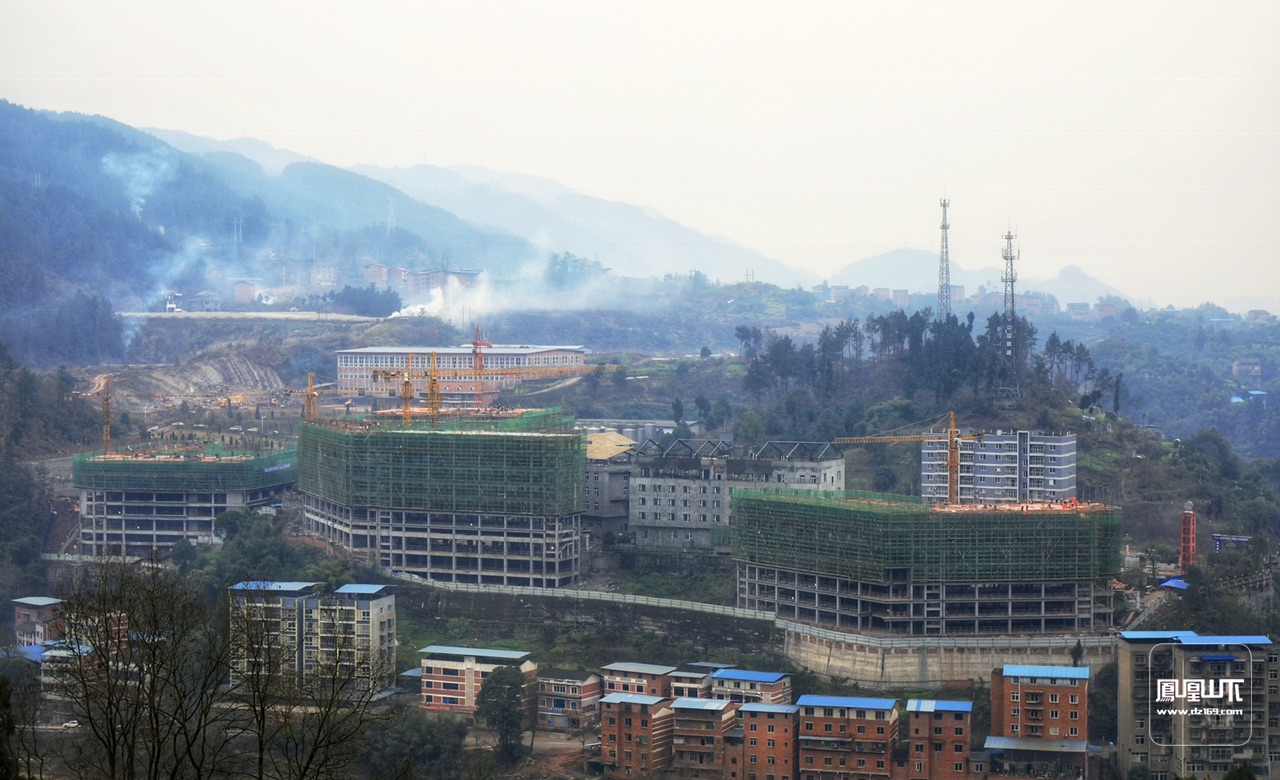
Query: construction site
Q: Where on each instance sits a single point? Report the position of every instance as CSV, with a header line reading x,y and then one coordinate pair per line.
x,y
488,498
141,503
891,565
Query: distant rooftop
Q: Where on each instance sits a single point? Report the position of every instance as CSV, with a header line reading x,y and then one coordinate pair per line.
x,y
746,675
630,698
508,655
1055,672
38,601
938,705
848,702
633,668
274,587
362,589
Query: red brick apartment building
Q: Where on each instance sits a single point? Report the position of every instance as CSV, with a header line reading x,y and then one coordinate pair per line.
x,y
846,737
770,750
635,734
37,619
649,679
937,740
567,699
742,685
452,676
1039,714
690,685
700,734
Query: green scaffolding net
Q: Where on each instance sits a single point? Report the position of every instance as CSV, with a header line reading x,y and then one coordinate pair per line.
x,y
873,538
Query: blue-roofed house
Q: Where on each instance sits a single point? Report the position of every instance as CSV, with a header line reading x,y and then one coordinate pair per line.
x,y
743,685
937,740
636,735
1041,714
700,733
770,734
848,734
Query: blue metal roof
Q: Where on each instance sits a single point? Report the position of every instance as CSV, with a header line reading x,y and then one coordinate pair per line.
x,y
633,668
1159,635
362,589
849,702
1059,672
1256,639
38,601
274,587
752,706
938,705
631,698
509,655
1033,743
746,675
712,705
1177,583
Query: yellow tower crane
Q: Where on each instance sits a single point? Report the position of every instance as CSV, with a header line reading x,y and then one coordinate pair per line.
x,y
951,436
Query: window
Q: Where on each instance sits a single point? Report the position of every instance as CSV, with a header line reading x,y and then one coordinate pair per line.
x,y
1013,696
958,766
1053,698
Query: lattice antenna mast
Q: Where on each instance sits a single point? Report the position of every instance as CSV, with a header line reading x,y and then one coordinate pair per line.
x,y
944,268
1010,318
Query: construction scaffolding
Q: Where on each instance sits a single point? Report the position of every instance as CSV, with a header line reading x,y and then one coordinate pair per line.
x,y
209,469
870,538
528,463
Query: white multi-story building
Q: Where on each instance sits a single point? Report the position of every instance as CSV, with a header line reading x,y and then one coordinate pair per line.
x,y
459,383
1003,467
680,495
299,632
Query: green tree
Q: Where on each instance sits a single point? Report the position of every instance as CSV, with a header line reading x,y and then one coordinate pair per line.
x,y
1241,771
502,708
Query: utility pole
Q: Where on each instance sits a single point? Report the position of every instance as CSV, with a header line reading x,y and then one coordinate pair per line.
x,y
944,268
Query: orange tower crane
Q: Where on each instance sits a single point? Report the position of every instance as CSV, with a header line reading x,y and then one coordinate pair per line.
x,y
309,396
952,437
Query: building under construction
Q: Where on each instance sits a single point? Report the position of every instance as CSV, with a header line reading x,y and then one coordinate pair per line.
x,y
889,564
492,499
143,502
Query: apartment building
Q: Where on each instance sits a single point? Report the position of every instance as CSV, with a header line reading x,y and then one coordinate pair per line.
x,y
846,738
649,679
1040,714
743,685
681,494
299,632
937,741
699,735
636,732
1003,467
1198,705
567,699
770,748
609,459
451,676
37,619
690,685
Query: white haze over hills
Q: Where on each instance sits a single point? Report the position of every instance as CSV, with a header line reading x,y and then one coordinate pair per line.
x,y
641,242
631,240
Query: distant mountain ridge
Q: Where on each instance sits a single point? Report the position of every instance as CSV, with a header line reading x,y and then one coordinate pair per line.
x,y
633,240
916,271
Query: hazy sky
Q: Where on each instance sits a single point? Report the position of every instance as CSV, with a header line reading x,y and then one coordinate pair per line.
x,y
1137,140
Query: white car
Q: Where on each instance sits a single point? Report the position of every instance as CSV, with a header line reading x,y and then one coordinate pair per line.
x,y
71,724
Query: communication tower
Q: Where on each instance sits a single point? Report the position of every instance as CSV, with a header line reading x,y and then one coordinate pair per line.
x,y
944,268
1008,323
